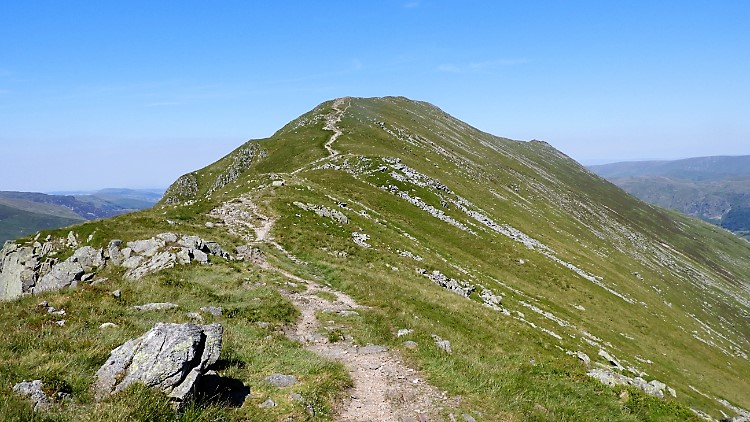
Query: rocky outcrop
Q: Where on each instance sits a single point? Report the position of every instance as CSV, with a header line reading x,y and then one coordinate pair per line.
x,y
324,211
242,159
184,188
611,378
18,267
62,275
165,250
29,269
456,286
169,357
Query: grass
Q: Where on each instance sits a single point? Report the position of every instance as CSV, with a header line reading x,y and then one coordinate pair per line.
x,y
67,357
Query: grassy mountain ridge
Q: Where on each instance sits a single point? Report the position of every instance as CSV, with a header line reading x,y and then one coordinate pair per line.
x,y
575,264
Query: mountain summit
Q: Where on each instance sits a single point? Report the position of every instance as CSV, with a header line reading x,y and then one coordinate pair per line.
x,y
420,268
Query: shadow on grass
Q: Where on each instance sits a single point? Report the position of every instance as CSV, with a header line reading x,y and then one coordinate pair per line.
x,y
214,389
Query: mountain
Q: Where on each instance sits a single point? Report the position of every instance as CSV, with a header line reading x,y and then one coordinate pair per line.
x,y
715,189
388,261
693,169
23,213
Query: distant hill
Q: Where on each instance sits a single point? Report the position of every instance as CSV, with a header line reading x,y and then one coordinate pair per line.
x,y
694,169
23,213
715,189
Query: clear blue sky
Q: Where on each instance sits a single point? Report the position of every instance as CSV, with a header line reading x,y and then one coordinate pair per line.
x,y
133,94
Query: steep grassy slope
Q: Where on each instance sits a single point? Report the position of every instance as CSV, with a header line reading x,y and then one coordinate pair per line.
x,y
555,260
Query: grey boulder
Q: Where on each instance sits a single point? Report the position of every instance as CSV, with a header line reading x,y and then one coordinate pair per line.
x,y
62,275
89,257
169,357
33,391
158,262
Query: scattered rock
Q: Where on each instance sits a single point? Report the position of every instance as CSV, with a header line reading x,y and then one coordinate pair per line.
x,y
459,287
33,390
608,377
408,254
609,358
411,344
113,251
147,247
99,281
72,241
403,332
33,269
580,355
169,357
167,237
361,239
158,262
62,275
444,345
108,325
195,316
281,380
132,262
490,299
89,257
159,306
213,310
116,293
269,402
61,323
324,211
468,418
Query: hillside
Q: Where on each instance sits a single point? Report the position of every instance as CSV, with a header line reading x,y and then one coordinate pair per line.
x,y
714,189
24,213
400,265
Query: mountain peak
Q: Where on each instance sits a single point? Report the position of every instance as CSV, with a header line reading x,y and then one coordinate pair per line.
x,y
383,229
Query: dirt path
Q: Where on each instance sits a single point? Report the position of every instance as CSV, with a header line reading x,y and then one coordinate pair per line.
x,y
332,122
340,106
384,388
